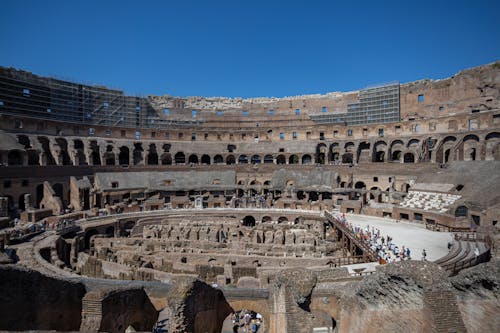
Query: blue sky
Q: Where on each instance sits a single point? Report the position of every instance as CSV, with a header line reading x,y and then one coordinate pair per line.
x,y
247,48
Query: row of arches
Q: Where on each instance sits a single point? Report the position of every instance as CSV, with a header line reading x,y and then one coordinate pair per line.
x,y
181,158
20,203
59,151
468,147
250,221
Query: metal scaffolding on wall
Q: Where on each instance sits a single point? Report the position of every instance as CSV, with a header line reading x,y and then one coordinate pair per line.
x,y
27,95
377,105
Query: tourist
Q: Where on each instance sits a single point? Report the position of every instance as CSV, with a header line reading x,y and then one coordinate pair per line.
x,y
247,318
476,251
255,326
408,253
424,255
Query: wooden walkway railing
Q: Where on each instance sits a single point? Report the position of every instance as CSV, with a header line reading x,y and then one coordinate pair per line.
x,y
365,248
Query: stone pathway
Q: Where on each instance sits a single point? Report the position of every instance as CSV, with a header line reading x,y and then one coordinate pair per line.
x,y
412,235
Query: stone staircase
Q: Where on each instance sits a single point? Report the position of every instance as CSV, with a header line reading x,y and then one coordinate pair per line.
x,y
443,309
91,312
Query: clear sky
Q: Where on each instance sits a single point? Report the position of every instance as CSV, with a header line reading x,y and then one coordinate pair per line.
x,y
247,48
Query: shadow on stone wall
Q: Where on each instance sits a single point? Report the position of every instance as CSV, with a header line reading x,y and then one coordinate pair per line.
x,y
194,306
124,308
32,301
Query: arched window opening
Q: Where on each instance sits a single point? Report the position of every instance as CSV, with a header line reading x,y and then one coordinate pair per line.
x,y
255,159
396,155
461,211
180,158
124,156
205,159
193,159
306,159
230,160
268,159
218,159
409,158
243,159
249,221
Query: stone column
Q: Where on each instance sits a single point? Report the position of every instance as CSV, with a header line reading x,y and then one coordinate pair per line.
x,y
72,156
116,153
55,150
130,155
41,158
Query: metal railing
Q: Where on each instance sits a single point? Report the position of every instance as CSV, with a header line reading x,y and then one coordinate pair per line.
x,y
462,264
457,260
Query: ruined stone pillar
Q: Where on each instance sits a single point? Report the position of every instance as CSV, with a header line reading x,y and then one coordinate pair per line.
x,y
355,157
72,156
116,153
102,155
130,155
27,201
55,150
370,152
88,154
278,321
91,199
142,160
41,159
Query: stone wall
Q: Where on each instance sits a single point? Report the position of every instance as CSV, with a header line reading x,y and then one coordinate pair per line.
x,y
32,301
474,88
51,200
195,307
412,294
477,292
124,308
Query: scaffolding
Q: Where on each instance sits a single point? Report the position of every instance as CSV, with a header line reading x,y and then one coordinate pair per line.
x,y
27,95
377,105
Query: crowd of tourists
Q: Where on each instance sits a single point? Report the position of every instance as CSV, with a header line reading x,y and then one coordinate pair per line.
x,y
21,231
382,245
246,321
64,224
